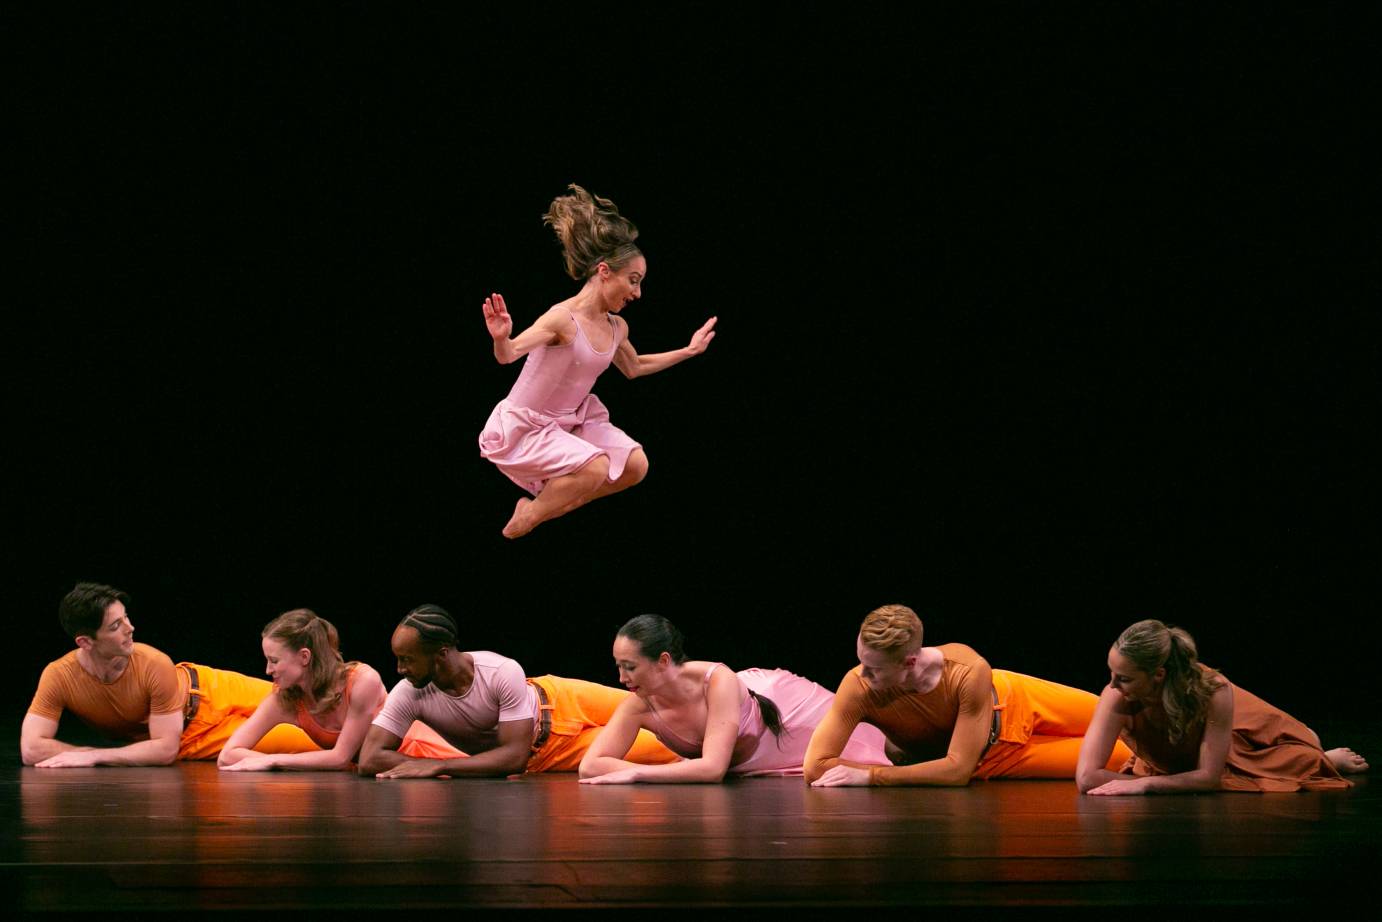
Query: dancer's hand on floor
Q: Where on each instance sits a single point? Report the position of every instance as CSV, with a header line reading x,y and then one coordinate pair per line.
x,y
1121,786
623,776
843,776
83,757
413,768
259,763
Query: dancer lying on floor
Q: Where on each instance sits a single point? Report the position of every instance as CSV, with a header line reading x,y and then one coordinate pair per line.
x,y
452,703
551,436
315,689
1193,730
131,692
756,721
947,716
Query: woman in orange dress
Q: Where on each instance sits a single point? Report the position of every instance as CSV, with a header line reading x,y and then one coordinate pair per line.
x,y
1190,729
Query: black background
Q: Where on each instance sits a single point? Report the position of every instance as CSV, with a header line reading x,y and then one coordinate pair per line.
x,y
1039,321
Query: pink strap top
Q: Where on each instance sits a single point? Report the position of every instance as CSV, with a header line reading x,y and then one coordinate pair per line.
x,y
323,737
555,379
744,745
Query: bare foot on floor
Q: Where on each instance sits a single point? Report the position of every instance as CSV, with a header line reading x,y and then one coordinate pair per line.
x,y
1347,761
521,523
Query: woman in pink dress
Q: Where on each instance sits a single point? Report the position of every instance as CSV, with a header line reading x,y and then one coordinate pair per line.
x,y
753,722
551,436
314,688
1190,729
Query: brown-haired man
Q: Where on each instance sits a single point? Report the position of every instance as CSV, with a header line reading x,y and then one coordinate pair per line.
x,y
947,716
132,692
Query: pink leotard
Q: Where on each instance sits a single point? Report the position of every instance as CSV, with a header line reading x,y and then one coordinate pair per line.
x,y
801,704
550,424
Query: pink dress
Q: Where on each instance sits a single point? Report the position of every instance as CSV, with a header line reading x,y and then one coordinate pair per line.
x,y
550,424
801,703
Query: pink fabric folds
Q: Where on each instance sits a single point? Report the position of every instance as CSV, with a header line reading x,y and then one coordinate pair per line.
x,y
531,447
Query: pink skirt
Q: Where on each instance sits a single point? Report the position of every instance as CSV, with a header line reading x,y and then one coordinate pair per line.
x,y
802,704
531,448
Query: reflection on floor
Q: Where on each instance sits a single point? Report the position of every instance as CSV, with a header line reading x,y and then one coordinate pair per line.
x,y
189,837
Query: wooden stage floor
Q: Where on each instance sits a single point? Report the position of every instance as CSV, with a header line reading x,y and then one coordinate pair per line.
x,y
189,837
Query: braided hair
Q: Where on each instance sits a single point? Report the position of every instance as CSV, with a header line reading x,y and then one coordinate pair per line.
x,y
435,628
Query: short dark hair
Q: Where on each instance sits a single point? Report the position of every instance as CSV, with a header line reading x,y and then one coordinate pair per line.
x,y
435,628
83,610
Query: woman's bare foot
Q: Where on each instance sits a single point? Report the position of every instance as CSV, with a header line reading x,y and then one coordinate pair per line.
x,y
1347,761
521,523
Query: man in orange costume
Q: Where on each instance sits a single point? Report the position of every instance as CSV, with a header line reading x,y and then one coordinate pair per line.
x,y
132,692
947,716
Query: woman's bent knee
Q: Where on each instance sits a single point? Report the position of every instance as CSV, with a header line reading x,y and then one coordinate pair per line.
x,y
636,468
597,471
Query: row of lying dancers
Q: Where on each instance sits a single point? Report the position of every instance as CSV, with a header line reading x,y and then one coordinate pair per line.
x,y
908,714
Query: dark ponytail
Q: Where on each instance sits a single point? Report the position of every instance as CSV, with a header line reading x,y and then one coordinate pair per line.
x,y
772,717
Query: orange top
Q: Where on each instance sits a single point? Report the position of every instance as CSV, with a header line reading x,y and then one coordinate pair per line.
x,y
119,709
320,735
1270,750
943,731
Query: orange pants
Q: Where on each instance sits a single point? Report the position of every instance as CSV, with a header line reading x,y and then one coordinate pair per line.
x,y
227,699
579,711
1042,727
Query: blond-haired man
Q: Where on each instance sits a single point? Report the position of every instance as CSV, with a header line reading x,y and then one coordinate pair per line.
x,y
947,715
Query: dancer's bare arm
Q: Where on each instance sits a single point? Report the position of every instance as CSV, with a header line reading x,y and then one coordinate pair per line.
x,y
1099,741
633,365
721,733
368,687
606,754
240,746
544,332
39,748
1208,771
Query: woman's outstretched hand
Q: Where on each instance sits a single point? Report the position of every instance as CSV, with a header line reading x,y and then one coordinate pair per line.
x,y
1120,786
699,339
623,776
254,763
500,324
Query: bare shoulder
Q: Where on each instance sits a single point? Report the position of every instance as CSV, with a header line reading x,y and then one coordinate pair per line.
x,y
368,679
1221,697
697,668
559,319
633,706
